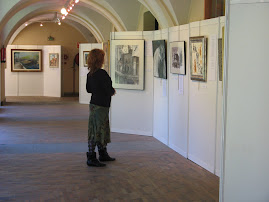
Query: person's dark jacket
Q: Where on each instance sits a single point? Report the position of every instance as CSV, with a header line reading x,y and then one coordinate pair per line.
x,y
100,85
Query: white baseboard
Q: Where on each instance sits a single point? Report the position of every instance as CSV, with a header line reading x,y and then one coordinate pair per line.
x,y
217,172
135,132
201,163
163,140
83,102
178,150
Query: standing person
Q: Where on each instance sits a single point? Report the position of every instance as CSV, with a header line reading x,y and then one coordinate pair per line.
x,y
100,85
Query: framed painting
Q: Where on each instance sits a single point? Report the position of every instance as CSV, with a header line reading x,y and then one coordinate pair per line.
x,y
53,60
159,59
198,46
220,59
127,64
26,60
178,57
106,48
85,58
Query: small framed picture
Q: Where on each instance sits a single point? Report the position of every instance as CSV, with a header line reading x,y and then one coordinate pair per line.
x,y
198,46
26,60
178,58
85,58
53,60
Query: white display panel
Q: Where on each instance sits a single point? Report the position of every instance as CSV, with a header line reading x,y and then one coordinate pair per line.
x,y
178,102
132,110
202,108
160,102
45,83
84,96
246,134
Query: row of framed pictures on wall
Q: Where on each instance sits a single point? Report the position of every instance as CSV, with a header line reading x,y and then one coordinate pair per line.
x,y
30,60
127,61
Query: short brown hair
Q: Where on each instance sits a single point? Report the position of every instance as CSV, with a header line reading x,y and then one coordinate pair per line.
x,y
95,60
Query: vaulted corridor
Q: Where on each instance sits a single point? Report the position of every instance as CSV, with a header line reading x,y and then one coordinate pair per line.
x,y
42,156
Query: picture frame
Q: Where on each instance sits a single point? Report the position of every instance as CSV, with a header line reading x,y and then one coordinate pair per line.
x,y
198,58
127,64
220,62
178,57
159,59
26,60
106,49
53,60
85,58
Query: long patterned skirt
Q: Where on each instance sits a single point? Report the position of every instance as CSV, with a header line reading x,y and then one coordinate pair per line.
x,y
98,125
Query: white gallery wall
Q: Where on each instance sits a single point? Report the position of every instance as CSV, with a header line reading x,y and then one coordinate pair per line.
x,y
245,170
84,97
132,110
188,122
45,83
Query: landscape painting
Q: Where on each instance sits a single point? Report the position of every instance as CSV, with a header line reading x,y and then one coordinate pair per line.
x,y
159,59
127,64
25,60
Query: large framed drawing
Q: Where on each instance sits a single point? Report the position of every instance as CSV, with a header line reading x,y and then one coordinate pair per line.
x,y
26,60
53,60
159,59
127,64
106,48
85,58
178,58
198,46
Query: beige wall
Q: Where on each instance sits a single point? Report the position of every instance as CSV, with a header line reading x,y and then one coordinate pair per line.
x,y
140,24
197,10
64,35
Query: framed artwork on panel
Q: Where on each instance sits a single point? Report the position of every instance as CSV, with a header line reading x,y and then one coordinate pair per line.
x,y
178,58
85,58
198,46
26,60
220,59
53,60
106,48
159,59
127,64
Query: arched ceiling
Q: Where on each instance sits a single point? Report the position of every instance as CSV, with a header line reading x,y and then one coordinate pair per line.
x,y
97,16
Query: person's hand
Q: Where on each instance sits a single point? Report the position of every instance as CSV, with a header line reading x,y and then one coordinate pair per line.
x,y
114,92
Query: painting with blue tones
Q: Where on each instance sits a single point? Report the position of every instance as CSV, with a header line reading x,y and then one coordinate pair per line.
x,y
25,60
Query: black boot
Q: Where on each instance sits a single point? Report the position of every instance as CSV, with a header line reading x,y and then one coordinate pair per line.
x,y
93,161
103,155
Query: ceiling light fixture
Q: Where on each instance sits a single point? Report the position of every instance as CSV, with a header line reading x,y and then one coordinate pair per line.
x,y
26,24
69,4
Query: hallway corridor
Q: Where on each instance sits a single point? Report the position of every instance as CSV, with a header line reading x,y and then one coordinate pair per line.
x,y
42,158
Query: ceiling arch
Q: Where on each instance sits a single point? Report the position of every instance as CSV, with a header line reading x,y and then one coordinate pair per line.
x,y
163,11
27,7
86,29
88,24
